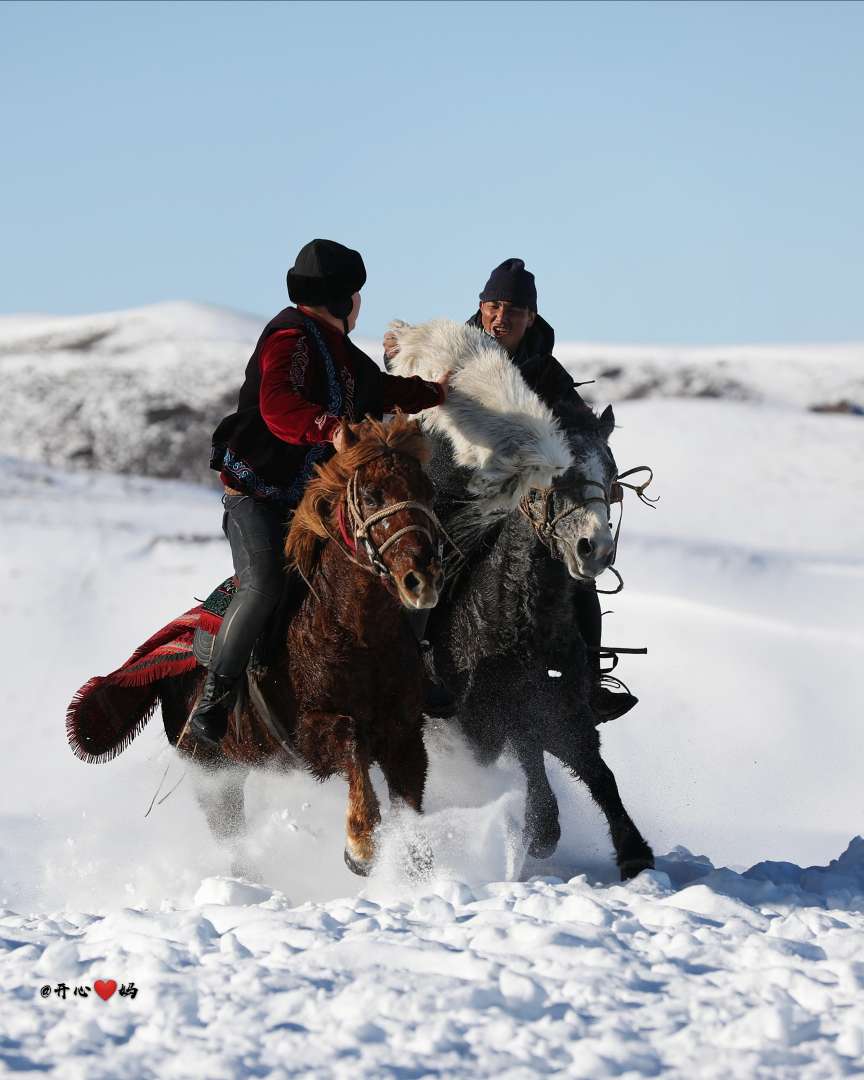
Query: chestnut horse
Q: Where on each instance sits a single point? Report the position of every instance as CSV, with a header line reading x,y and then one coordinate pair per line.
x,y
346,689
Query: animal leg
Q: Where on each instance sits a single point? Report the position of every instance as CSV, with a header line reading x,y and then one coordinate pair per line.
x,y
632,853
405,766
329,744
362,817
220,796
542,827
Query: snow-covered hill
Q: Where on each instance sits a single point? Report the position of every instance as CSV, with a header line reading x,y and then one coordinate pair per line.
x,y
140,391
801,375
746,584
131,391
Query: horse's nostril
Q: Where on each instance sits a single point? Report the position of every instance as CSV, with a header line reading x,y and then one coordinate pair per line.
x,y
412,582
585,547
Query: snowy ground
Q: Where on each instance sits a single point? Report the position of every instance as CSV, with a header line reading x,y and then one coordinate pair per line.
x,y
745,584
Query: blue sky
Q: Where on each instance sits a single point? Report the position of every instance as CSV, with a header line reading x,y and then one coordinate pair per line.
x,y
671,172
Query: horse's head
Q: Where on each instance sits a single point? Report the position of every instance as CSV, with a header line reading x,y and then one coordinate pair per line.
x,y
571,517
375,500
388,511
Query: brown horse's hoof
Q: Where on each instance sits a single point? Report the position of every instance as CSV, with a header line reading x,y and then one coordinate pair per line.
x,y
360,867
631,867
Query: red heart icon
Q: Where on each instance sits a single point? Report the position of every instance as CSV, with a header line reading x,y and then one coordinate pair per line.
x,y
105,988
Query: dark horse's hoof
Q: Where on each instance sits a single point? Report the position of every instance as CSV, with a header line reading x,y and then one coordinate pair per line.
x,y
360,867
243,868
542,849
631,867
543,836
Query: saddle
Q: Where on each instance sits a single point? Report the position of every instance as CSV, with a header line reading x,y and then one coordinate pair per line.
x,y
272,637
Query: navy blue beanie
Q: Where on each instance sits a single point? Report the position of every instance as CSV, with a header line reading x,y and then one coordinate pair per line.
x,y
511,281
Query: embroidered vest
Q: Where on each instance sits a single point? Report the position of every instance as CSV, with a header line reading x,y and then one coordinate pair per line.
x,y
251,456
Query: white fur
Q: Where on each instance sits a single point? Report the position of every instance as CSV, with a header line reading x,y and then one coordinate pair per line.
x,y
496,424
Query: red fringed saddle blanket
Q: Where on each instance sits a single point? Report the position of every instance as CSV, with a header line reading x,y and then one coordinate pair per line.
x,y
110,710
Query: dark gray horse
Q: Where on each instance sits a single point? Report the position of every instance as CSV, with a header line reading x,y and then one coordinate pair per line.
x,y
508,620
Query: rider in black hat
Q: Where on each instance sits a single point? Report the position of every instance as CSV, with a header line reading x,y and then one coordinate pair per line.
x,y
303,379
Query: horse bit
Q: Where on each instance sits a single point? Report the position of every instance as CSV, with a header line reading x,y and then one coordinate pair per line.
x,y
545,525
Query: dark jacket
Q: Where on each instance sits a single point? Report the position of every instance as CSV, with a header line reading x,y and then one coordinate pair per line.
x,y
250,457
541,371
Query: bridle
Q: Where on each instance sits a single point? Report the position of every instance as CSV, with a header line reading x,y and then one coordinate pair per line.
x,y
545,525
360,530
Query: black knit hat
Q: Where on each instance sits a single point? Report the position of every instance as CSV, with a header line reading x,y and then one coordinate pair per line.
x,y
511,281
326,274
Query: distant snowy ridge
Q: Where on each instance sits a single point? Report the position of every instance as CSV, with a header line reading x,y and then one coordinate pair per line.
x,y
786,375
140,391
130,392
122,331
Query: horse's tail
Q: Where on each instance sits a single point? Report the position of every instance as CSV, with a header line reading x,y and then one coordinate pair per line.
x,y
105,716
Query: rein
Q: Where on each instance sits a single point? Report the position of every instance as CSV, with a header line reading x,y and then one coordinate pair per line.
x,y
545,525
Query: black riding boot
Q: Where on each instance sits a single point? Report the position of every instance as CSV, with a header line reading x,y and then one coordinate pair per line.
x,y
437,699
605,702
209,720
608,704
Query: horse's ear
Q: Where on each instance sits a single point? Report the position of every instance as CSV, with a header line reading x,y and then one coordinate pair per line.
x,y
606,423
349,437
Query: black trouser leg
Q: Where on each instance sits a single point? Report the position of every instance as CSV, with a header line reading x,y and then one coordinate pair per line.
x,y
586,610
256,534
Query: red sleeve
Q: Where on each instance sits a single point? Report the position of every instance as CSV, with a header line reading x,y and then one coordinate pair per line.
x,y
284,361
411,394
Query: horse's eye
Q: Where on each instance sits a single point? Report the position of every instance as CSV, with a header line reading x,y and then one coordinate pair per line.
x,y
371,497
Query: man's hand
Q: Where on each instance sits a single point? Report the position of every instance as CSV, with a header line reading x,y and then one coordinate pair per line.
x,y
391,345
444,383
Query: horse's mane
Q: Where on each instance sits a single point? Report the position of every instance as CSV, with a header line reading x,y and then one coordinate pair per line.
x,y
309,525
